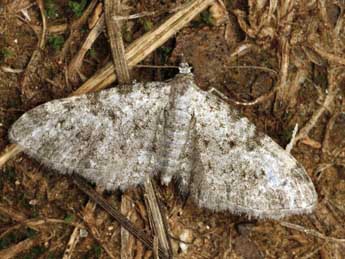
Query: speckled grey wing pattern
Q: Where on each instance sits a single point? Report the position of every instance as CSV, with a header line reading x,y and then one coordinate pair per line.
x,y
241,170
116,138
108,137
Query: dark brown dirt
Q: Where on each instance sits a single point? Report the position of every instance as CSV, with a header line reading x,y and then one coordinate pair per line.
x,y
29,191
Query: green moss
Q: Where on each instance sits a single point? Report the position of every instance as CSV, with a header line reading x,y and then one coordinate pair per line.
x,y
56,42
69,218
77,7
51,9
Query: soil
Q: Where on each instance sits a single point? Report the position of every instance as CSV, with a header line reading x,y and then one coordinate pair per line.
x,y
315,56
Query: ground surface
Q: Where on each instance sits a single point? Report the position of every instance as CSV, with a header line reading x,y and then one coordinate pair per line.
x,y
308,37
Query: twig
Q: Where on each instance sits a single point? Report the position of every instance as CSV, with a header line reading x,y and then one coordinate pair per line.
x,y
258,100
112,7
334,58
145,45
33,223
127,240
7,69
311,232
333,82
90,223
10,151
12,214
145,14
282,85
118,53
292,141
116,42
53,29
270,70
157,220
77,60
75,29
72,242
115,214
20,247
30,77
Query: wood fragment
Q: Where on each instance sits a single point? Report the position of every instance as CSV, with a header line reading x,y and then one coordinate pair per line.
x,y
75,29
10,151
115,214
312,232
30,77
95,16
89,221
334,80
127,240
283,85
12,214
311,142
20,247
72,243
111,8
156,218
37,223
76,62
145,45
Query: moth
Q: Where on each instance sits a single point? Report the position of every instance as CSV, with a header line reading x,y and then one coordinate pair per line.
x,y
115,138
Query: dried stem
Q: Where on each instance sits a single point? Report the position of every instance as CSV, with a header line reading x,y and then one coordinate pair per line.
x,y
35,223
311,232
10,151
20,247
333,82
72,243
112,7
145,45
127,240
115,214
156,218
30,77
77,60
89,221
75,28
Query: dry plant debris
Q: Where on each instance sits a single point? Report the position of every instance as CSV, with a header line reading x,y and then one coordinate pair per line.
x,y
301,40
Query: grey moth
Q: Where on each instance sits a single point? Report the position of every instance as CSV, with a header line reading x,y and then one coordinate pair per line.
x,y
173,129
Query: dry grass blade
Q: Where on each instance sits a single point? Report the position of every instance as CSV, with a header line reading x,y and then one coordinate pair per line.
x,y
145,45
